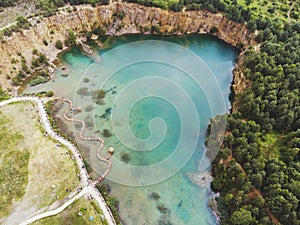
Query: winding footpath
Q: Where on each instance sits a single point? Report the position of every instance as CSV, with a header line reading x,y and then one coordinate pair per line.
x,y
82,137
88,187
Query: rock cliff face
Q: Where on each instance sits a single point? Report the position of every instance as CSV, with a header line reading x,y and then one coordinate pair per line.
x,y
116,19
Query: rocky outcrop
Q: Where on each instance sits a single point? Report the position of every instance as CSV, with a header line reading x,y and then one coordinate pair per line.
x,y
116,18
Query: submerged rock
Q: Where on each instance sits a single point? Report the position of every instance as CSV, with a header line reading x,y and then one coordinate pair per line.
x,y
200,179
89,52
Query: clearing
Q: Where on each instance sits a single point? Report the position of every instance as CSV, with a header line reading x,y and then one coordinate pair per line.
x,y
81,212
36,171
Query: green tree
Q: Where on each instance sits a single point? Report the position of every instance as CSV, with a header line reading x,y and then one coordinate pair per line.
x,y
22,22
59,44
241,217
3,95
71,39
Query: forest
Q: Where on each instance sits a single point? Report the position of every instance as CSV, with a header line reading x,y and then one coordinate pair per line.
x,y
257,170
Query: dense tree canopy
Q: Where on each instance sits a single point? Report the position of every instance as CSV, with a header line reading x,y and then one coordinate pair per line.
x,y
263,135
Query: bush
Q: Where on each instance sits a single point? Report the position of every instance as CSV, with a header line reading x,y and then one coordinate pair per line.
x,y
50,93
71,39
16,81
7,32
38,80
120,15
99,31
99,96
45,42
59,44
43,59
155,29
34,51
87,166
213,30
3,95
22,22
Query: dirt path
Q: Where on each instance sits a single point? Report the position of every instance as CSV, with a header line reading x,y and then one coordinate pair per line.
x,y
55,211
290,10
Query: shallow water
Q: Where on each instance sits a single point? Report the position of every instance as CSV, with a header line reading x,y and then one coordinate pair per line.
x,y
160,94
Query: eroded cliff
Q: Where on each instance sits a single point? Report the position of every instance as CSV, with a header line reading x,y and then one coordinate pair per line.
x,y
116,19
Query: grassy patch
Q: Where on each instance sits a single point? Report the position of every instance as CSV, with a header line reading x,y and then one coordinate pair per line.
x,y
52,174
163,3
269,145
3,95
70,215
271,9
8,138
13,179
13,166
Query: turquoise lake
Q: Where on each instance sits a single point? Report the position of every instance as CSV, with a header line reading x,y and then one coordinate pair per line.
x,y
160,95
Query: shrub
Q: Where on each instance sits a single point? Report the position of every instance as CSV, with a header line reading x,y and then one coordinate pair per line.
x,y
3,95
50,93
71,39
14,61
45,42
43,59
38,80
7,32
16,80
22,22
99,31
213,30
34,51
59,44
155,29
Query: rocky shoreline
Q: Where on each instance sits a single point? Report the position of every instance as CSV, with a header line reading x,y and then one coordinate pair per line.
x,y
203,180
